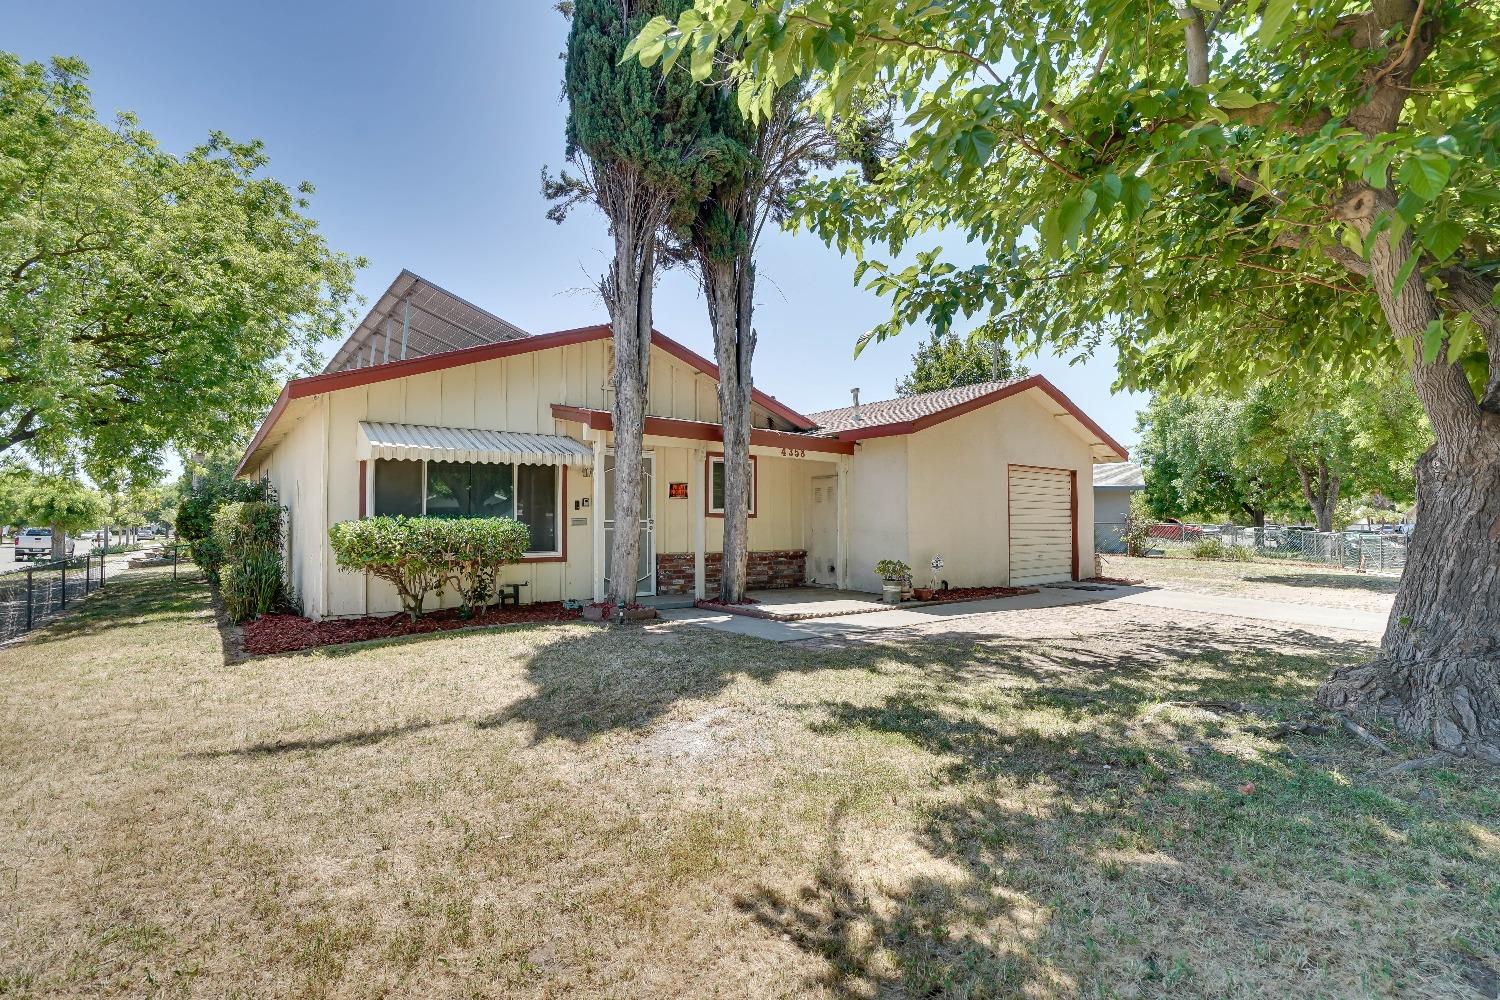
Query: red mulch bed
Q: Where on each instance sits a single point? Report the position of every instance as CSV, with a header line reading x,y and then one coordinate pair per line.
x,y
976,594
280,633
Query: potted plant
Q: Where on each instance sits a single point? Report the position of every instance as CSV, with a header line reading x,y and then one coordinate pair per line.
x,y
894,576
926,593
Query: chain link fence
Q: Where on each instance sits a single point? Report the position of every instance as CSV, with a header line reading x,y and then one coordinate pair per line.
x,y
1366,551
33,596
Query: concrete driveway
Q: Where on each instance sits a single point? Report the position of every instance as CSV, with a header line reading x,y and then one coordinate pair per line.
x,y
971,615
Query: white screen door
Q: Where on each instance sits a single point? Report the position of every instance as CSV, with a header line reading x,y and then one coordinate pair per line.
x,y
645,584
822,535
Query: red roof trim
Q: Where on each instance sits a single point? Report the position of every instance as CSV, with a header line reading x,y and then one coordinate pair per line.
x,y
697,430
969,405
311,385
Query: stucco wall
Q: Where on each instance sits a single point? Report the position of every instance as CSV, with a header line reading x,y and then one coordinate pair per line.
x,y
956,485
878,497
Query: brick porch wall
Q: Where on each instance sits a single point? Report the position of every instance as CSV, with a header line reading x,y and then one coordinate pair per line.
x,y
778,568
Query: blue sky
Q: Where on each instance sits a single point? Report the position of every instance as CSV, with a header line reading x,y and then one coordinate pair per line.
x,y
425,128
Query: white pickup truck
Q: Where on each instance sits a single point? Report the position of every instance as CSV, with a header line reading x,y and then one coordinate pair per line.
x,y
36,543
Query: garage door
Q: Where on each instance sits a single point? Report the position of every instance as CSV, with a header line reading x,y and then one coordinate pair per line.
x,y
1041,525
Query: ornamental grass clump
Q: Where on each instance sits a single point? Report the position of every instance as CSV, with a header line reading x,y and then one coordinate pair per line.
x,y
422,556
246,539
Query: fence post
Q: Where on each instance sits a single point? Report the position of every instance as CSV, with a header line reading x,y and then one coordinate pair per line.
x,y
29,571
65,582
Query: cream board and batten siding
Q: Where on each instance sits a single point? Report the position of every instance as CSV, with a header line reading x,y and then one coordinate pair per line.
x,y
295,470
957,476
516,394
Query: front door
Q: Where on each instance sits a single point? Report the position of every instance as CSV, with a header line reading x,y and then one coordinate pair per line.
x,y
645,584
823,532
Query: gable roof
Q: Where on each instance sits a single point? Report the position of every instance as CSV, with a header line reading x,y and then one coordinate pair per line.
x,y
415,318
1119,476
909,414
902,408
349,378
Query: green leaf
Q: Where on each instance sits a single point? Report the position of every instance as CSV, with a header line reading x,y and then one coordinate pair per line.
x,y
1443,239
1432,341
1404,275
825,51
1424,174
1273,19
1235,99
1136,196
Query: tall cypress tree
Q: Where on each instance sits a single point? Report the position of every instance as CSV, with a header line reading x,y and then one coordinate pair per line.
x,y
646,154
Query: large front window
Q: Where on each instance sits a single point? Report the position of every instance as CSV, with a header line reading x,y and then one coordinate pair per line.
x,y
528,493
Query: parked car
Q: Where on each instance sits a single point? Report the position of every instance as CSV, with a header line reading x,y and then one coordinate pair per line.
x,y
36,543
145,531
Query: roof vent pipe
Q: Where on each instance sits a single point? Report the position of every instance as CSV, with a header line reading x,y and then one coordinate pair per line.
x,y
855,393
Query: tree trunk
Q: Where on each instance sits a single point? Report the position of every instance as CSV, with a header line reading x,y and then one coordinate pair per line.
x,y
1437,676
730,287
1321,495
59,542
1256,515
630,314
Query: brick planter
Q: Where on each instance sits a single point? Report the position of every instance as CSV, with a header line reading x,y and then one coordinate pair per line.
x,y
766,570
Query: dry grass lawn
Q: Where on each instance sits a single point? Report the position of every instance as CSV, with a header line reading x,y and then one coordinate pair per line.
x,y
557,811
1266,581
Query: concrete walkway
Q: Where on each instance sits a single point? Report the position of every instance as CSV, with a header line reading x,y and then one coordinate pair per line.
x,y
1311,615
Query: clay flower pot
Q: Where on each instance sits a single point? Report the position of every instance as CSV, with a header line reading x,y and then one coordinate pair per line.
x,y
922,593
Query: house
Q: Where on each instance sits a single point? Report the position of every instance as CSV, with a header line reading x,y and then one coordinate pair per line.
x,y
1114,484
436,406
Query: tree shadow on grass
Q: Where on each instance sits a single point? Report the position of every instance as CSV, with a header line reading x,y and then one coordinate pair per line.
x,y
627,679
1334,581
1148,852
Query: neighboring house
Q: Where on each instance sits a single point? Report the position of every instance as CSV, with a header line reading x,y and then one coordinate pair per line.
x,y
434,405
1114,484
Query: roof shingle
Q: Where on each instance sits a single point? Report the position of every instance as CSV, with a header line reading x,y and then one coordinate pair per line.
x,y
903,408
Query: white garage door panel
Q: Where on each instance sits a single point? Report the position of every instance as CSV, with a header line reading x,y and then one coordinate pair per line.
x,y
1041,526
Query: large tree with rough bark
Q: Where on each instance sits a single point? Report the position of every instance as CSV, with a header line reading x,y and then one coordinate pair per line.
x,y
1224,190
148,300
644,151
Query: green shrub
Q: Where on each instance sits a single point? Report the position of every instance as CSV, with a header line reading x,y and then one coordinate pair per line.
x,y
893,570
195,513
475,549
246,526
422,555
250,586
243,553
1214,548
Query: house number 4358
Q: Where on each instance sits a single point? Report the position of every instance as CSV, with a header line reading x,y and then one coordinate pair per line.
x,y
794,452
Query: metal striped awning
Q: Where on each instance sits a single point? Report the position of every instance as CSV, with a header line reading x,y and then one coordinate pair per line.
x,y
461,444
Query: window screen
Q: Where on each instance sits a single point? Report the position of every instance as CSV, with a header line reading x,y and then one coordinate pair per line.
x,y
398,487
469,489
536,504
472,489
716,484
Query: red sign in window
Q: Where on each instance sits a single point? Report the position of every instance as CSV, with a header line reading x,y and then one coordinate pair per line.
x,y
677,491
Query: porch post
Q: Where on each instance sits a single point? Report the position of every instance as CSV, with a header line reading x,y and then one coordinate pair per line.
x,y
846,463
597,478
699,501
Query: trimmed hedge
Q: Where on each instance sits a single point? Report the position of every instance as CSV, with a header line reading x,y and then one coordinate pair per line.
x,y
424,555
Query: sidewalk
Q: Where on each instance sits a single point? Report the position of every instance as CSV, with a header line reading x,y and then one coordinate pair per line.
x,y
1365,622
